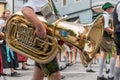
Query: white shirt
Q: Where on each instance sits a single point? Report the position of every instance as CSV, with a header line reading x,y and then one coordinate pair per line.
x,y
36,4
118,11
2,22
106,19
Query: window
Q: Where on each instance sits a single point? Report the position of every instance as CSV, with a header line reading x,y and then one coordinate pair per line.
x,y
3,1
56,0
64,2
77,0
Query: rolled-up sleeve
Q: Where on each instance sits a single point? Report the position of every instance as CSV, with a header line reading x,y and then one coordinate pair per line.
x,y
106,20
36,4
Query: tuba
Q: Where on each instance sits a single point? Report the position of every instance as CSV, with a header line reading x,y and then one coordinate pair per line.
x,y
20,37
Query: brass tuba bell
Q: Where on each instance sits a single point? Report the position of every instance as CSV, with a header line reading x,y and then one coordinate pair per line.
x,y
20,36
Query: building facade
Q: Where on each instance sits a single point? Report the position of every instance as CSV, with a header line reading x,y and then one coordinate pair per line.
x,y
74,9
12,5
81,9
2,6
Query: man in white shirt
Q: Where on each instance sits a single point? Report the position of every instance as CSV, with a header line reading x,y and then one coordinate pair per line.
x,y
107,43
29,10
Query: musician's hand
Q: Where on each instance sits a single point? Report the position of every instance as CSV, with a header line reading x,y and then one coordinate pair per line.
x,y
40,31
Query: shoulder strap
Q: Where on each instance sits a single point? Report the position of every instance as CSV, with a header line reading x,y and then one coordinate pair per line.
x,y
53,7
51,4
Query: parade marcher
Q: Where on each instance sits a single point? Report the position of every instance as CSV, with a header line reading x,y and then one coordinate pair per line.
x,y
22,59
68,54
29,12
9,57
1,62
116,20
107,43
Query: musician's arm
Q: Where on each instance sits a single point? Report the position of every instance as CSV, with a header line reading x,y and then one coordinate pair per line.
x,y
109,30
107,26
28,12
30,15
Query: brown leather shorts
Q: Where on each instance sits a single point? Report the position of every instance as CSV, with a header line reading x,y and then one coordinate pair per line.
x,y
107,45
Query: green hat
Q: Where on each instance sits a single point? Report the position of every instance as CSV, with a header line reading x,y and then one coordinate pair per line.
x,y
107,5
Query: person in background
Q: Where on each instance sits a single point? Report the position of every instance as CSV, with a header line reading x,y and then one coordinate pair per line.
x,y
107,43
22,59
9,57
116,20
68,54
1,62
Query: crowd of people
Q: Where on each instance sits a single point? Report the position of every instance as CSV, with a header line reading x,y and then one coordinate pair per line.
x,y
108,45
8,58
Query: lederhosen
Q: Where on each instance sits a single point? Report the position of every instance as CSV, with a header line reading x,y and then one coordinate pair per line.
x,y
117,30
107,42
52,66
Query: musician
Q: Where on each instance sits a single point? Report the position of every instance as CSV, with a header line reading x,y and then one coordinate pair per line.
x,y
116,20
107,43
29,11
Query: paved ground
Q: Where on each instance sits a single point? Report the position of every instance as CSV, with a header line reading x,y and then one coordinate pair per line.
x,y
74,72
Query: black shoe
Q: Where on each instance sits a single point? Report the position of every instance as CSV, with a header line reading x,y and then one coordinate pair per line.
x,y
107,71
15,74
110,78
101,78
16,68
89,70
62,77
3,74
25,68
62,68
69,64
